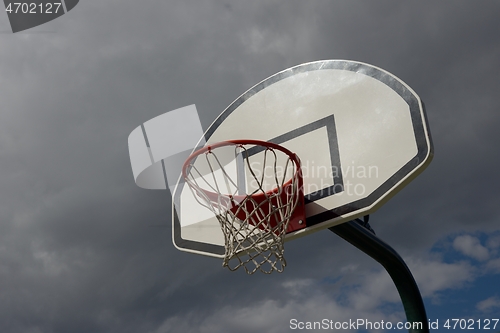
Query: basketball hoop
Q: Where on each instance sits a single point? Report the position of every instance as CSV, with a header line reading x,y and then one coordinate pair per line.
x,y
255,190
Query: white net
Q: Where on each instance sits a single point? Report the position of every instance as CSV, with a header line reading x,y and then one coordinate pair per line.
x,y
253,191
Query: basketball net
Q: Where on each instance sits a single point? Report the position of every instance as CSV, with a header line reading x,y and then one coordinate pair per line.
x,y
254,214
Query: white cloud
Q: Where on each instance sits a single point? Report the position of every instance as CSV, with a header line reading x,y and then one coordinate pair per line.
x,y
297,286
435,276
297,283
361,296
488,304
375,289
431,276
471,247
494,265
272,316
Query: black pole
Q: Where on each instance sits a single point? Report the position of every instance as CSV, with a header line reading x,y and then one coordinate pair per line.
x,y
370,244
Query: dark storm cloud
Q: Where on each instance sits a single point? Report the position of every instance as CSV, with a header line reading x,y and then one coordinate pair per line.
x,y
83,249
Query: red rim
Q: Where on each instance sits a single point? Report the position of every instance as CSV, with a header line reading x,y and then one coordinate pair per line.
x,y
293,157
200,151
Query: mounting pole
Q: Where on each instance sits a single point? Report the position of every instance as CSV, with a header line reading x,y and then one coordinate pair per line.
x,y
373,246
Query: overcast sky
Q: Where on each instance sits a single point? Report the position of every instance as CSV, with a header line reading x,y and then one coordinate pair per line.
x,y
83,249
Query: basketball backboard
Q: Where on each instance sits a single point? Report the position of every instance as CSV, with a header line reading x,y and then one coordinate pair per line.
x,y
360,132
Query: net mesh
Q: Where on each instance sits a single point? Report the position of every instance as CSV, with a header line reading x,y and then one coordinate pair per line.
x,y
253,199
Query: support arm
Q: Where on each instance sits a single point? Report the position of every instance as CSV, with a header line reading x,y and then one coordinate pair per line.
x,y
394,265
